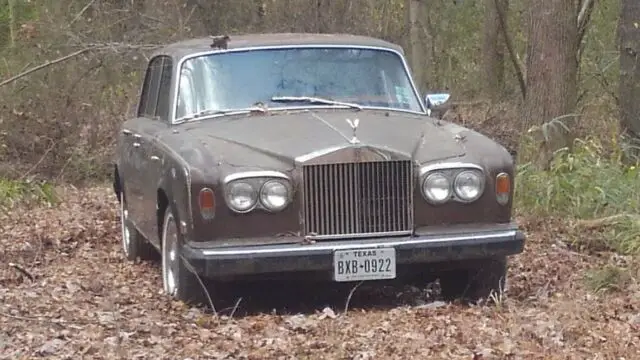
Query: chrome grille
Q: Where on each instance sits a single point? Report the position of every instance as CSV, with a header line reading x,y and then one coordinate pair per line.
x,y
358,199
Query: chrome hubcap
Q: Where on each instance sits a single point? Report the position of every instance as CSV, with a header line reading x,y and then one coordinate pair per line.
x,y
170,256
126,236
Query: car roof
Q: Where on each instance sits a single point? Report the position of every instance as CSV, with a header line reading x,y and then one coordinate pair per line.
x,y
183,48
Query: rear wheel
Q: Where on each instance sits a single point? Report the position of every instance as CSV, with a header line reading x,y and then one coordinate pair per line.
x,y
177,280
134,245
475,282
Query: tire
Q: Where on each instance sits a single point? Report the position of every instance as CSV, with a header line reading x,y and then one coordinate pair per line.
x,y
476,282
134,245
177,280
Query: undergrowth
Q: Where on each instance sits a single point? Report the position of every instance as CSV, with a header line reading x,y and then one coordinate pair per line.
x,y
608,278
14,192
588,183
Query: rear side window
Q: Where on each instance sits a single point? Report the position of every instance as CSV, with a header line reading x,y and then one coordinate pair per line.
x,y
151,88
164,92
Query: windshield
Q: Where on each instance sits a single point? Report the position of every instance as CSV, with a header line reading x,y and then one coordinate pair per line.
x,y
245,79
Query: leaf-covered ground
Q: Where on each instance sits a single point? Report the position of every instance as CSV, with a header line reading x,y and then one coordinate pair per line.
x,y
85,301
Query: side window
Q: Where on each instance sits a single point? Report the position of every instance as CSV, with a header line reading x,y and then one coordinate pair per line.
x,y
144,95
164,92
150,88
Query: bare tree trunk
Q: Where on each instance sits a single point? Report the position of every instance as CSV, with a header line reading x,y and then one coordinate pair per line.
x,y
420,58
552,69
629,32
259,14
323,9
493,47
12,22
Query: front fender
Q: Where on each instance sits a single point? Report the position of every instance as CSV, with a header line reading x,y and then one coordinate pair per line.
x,y
175,183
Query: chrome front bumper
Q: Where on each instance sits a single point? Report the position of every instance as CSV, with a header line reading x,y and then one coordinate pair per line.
x,y
427,245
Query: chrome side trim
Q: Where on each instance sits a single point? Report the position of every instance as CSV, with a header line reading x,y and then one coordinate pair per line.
x,y
254,174
178,68
324,247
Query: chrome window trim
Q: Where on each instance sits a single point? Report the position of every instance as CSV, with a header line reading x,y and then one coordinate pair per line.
x,y
178,70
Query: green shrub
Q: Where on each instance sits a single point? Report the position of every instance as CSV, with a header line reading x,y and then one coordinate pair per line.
x,y
13,192
588,183
607,278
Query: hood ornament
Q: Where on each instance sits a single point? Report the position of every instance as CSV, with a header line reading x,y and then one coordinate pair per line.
x,y
354,127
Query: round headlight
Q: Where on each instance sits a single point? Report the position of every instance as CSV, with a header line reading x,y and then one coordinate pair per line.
x,y
469,185
436,188
241,196
274,195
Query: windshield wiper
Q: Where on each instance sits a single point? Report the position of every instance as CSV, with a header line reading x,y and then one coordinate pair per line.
x,y
314,100
216,112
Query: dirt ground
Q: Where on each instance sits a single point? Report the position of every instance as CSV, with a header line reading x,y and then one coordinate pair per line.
x,y
85,301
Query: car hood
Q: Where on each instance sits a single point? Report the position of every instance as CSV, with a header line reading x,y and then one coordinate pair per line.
x,y
255,140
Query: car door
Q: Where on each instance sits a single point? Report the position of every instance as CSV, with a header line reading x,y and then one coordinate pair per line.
x,y
155,156
135,179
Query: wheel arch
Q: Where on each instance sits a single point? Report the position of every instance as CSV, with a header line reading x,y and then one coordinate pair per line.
x,y
173,191
162,203
118,187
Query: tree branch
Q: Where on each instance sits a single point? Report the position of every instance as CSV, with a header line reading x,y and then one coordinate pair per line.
x,y
607,221
45,65
22,270
35,166
586,9
87,48
584,16
517,65
84,9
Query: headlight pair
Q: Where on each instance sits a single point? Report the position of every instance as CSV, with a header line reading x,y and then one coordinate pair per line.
x,y
244,195
465,185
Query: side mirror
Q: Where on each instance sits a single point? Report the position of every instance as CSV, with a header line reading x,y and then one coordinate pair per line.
x,y
435,101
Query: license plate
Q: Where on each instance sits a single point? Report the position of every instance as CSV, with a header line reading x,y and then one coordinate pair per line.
x,y
364,264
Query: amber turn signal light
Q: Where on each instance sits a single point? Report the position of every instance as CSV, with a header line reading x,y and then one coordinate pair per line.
x,y
207,202
503,188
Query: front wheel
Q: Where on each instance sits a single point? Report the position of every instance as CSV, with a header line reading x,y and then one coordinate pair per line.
x,y
177,280
476,281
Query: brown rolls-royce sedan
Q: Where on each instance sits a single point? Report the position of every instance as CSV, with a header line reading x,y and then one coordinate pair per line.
x,y
259,155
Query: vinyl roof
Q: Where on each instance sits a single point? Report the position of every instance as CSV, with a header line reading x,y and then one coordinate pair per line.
x,y
186,47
